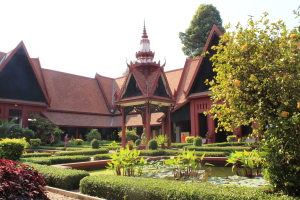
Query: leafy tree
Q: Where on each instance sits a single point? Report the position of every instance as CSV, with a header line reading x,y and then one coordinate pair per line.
x,y
7,127
45,128
24,132
258,81
93,134
194,38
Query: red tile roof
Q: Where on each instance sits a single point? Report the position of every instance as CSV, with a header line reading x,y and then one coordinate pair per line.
x,y
107,88
136,120
78,120
74,93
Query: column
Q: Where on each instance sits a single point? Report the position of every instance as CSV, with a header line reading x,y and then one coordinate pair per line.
x,y
123,127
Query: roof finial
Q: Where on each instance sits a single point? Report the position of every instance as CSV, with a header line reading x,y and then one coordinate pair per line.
x,y
144,31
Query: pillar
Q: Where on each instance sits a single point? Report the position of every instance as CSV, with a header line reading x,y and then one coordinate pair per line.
x,y
148,119
123,127
76,133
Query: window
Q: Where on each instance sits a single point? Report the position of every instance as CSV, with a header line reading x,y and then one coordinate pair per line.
x,y
15,113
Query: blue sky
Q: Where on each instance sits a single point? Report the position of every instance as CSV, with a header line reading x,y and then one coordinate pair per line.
x,y
85,37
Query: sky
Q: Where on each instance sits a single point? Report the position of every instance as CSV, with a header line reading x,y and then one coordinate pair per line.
x,y
94,36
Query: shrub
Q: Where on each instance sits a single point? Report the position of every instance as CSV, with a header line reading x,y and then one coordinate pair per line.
x,y
219,149
162,139
120,187
177,152
35,142
67,179
77,141
58,159
231,138
189,139
130,134
24,132
179,145
152,144
102,156
93,134
83,152
138,142
95,144
19,181
197,141
223,144
12,149
28,155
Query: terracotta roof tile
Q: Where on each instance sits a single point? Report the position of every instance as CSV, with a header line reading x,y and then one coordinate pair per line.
x,y
136,120
37,66
78,120
74,93
173,78
107,87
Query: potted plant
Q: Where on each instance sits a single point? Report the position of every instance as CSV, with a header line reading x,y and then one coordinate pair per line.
x,y
161,140
130,144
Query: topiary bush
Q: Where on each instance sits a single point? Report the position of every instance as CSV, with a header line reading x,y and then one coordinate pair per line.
x,y
197,141
28,155
58,159
12,149
77,142
189,139
231,138
95,144
152,144
67,179
138,142
102,156
82,152
19,181
130,134
35,142
93,134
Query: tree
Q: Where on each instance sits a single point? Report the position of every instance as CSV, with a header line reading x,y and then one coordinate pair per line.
x,y
258,81
45,128
93,134
194,38
7,127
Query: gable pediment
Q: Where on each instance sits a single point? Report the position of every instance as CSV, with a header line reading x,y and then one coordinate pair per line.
x,y
18,80
132,88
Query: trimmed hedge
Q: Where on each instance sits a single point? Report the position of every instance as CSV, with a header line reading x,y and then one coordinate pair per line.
x,y
112,147
131,188
178,152
180,145
102,156
82,152
58,159
219,149
225,144
27,155
67,179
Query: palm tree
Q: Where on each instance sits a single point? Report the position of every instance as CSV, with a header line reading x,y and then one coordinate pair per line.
x,y
7,126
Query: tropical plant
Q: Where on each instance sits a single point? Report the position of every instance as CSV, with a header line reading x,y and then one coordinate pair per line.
x,y
162,139
248,160
127,163
93,134
258,81
7,127
194,38
24,132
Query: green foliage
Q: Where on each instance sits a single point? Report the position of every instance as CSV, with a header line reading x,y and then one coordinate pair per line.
x,y
152,144
77,142
138,142
102,156
197,141
224,144
248,160
219,149
7,127
231,138
67,179
57,159
82,152
46,128
28,155
180,145
177,152
12,149
114,143
127,163
190,139
194,38
93,134
95,144
130,134
258,81
35,142
24,132
162,139
121,187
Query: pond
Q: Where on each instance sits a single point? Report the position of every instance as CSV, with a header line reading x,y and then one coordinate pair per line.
x,y
218,175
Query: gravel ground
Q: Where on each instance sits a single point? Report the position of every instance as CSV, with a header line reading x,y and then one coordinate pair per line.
x,y
55,196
